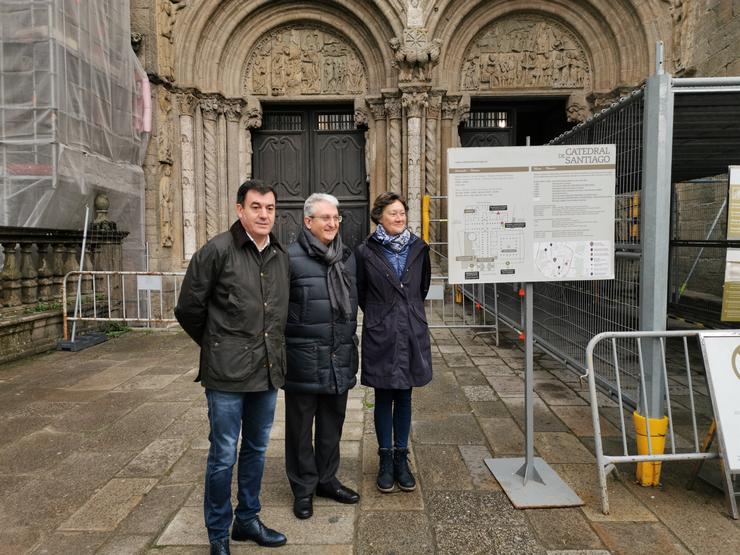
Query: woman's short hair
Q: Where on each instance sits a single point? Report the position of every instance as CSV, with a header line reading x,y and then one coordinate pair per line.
x,y
308,206
383,200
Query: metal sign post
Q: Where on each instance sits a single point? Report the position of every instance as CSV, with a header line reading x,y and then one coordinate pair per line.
x,y
530,482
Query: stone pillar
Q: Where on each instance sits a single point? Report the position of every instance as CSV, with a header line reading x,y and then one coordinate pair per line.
x,y
187,105
233,114
449,131
378,183
57,268
414,102
44,272
431,159
395,161
10,276
210,108
222,163
252,120
29,275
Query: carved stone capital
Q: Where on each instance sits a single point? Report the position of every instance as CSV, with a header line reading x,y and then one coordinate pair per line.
x,y
361,117
254,114
376,104
186,104
463,109
233,110
393,107
414,103
211,107
450,104
434,106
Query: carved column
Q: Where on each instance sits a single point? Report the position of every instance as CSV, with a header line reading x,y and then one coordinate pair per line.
x,y
431,160
29,275
225,209
57,268
414,101
187,105
210,107
44,272
395,162
449,138
252,120
378,182
233,114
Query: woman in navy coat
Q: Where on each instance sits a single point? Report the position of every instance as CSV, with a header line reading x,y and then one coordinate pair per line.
x,y
393,276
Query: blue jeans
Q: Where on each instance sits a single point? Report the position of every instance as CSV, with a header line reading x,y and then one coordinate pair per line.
x,y
392,417
228,413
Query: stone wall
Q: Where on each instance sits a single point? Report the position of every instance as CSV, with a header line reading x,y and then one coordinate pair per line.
x,y
707,36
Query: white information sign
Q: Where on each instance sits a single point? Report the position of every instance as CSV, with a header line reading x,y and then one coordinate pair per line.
x,y
722,361
527,214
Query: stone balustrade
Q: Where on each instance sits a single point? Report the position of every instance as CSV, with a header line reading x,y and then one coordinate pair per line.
x,y
35,261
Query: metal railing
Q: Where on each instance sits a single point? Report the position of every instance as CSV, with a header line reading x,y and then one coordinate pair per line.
x,y
450,306
134,298
623,353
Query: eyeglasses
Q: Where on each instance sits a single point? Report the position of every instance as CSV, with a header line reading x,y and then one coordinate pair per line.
x,y
327,219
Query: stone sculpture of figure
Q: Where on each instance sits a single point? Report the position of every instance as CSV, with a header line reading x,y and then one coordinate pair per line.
x,y
166,16
165,205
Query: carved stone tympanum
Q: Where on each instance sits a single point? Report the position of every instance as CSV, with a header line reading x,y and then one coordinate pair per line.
x,y
302,59
525,51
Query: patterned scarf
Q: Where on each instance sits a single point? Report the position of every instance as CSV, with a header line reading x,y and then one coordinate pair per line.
x,y
394,242
337,279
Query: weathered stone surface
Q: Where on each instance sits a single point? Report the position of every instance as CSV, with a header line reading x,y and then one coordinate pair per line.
x,y
580,422
38,451
155,459
441,467
474,457
373,499
544,419
640,538
506,386
393,532
479,393
503,435
125,545
455,429
110,505
561,447
70,542
155,509
563,528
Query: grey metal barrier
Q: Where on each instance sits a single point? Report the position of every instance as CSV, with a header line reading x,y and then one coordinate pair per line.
x,y
682,385
135,298
453,306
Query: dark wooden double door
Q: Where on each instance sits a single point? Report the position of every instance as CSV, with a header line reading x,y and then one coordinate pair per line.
x,y
313,149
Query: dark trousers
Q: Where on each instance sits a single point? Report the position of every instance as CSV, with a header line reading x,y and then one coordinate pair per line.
x,y
310,461
392,417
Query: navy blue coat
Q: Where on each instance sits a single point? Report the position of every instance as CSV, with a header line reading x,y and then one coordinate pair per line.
x,y
321,345
396,352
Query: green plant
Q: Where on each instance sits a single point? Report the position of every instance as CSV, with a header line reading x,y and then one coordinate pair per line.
x,y
42,307
116,329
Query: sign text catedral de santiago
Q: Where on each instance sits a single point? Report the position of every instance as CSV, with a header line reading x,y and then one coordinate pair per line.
x,y
528,214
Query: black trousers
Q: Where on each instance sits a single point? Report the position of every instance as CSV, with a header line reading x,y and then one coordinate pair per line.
x,y
311,461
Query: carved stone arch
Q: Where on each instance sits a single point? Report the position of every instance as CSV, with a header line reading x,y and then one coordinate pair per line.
x,y
213,43
525,51
612,33
296,59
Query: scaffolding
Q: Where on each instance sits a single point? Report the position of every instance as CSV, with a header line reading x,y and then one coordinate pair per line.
x,y
75,111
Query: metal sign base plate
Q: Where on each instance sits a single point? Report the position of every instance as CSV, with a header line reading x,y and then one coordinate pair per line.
x,y
552,493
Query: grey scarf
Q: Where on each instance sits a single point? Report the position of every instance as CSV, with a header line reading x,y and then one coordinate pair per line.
x,y
337,279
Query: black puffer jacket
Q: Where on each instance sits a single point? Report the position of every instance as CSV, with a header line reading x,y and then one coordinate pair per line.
x,y
233,303
321,345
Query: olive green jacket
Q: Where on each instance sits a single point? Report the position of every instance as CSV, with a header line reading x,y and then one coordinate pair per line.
x,y
234,304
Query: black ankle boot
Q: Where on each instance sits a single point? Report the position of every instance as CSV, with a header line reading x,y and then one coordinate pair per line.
x,y
401,471
386,482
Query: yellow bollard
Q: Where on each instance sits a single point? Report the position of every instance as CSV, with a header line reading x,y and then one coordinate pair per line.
x,y
648,473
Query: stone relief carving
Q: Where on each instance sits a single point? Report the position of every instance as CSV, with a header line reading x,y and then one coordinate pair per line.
x,y
164,133
682,32
449,106
577,109
166,203
525,52
377,108
414,102
232,110
166,16
415,57
303,60
186,104
415,13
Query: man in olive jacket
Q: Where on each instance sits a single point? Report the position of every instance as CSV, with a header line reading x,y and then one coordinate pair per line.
x,y
322,355
234,304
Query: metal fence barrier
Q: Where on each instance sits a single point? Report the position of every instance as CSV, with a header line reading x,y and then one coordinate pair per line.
x,y
623,353
134,298
449,306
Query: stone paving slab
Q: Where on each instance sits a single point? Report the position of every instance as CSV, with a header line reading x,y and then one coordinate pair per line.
x,y
103,451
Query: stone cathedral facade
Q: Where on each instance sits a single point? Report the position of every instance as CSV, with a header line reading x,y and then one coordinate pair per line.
x,y
355,97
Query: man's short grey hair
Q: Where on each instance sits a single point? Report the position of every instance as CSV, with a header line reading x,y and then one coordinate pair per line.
x,y
308,206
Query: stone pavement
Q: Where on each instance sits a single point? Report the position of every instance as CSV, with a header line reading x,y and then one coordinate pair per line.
x,y
103,451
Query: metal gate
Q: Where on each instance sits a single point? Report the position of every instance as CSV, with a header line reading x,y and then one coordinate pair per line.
x,y
308,150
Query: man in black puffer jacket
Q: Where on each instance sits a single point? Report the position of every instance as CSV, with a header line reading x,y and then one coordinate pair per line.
x,y
321,348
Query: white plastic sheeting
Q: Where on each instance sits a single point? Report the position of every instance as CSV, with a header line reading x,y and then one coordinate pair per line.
x,y
75,113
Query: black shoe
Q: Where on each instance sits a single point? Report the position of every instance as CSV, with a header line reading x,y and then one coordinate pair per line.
x,y
220,547
257,532
401,471
303,507
386,483
342,494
